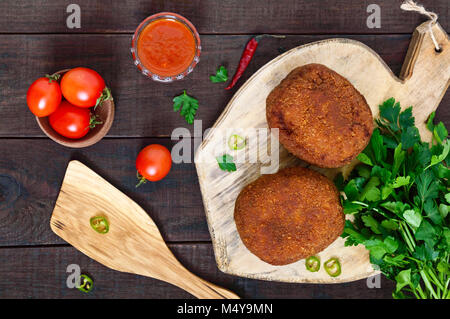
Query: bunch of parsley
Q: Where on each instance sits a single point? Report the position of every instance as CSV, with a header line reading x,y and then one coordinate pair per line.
x,y
399,197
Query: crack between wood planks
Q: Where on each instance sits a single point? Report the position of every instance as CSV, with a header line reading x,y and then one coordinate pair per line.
x,y
65,245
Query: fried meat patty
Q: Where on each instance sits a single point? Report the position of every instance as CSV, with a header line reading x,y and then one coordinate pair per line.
x,y
288,216
322,118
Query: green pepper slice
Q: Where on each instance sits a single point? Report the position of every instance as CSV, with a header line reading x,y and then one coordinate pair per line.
x,y
236,142
86,283
332,267
100,224
312,263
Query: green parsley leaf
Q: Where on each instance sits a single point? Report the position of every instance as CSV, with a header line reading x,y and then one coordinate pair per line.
x,y
443,210
390,111
370,191
403,279
383,173
443,267
419,158
226,163
406,119
389,141
395,207
433,212
443,172
350,231
427,233
399,157
376,142
365,159
373,194
447,197
409,137
353,188
426,186
370,222
413,218
379,248
188,106
391,244
400,181
425,252
430,124
351,208
446,237
440,133
386,191
363,171
376,247
435,159
221,75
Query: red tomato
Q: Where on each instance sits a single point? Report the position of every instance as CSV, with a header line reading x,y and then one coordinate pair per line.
x,y
82,87
153,163
70,121
44,97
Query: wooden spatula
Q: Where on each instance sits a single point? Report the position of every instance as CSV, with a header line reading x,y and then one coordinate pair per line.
x,y
133,243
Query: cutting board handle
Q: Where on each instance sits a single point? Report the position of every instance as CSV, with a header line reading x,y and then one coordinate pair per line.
x,y
421,52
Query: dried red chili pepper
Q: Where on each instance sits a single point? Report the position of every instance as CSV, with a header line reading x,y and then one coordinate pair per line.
x,y
247,56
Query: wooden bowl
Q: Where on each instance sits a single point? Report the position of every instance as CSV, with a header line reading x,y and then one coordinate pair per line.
x,y
105,113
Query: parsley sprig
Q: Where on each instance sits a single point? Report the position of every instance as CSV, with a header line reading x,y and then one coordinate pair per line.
x,y
399,196
188,106
226,163
221,75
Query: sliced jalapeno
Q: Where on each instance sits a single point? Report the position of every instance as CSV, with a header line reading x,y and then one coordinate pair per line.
x,y
236,142
332,267
86,283
312,263
99,224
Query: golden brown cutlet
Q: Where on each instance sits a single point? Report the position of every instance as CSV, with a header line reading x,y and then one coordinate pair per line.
x,y
322,118
288,216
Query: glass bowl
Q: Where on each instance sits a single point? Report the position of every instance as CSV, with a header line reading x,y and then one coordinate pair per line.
x,y
147,72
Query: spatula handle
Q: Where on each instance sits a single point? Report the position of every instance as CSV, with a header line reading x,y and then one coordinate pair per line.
x,y
199,287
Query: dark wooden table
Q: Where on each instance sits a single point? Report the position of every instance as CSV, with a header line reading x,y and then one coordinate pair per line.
x,y
34,40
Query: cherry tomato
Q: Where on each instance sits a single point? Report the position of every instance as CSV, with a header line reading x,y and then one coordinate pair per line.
x,y
82,87
44,96
153,163
71,121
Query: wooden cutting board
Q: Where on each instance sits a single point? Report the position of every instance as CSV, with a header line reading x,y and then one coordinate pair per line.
x,y
133,243
422,83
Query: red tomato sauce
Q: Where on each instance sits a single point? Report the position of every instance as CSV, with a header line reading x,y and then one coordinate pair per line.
x,y
166,47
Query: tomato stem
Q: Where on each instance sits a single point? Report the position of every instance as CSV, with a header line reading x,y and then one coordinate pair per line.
x,y
54,77
93,121
106,95
141,179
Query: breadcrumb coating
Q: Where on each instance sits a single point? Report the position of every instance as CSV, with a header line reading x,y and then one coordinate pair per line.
x,y
322,118
288,216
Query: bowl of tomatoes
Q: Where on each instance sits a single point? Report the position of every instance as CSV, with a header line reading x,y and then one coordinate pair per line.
x,y
73,107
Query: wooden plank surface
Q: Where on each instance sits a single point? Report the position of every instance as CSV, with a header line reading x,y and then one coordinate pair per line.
x,y
225,16
34,40
41,272
32,170
144,107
